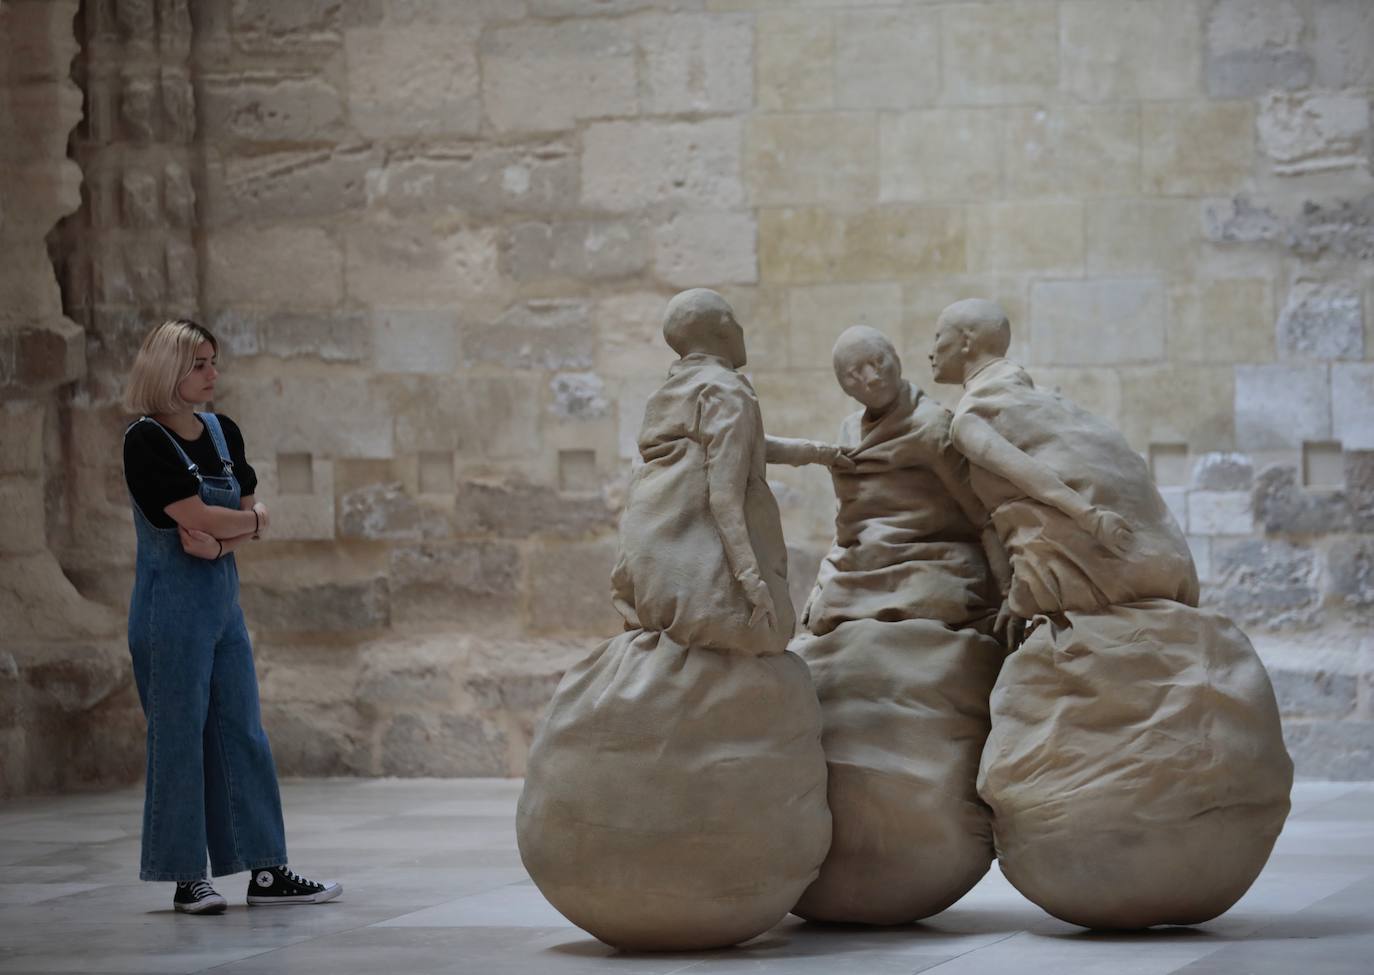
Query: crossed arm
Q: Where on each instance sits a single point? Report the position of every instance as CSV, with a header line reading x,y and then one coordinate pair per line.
x,y
210,531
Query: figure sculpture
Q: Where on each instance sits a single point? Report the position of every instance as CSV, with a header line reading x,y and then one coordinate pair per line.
x,y
675,794
1136,768
898,638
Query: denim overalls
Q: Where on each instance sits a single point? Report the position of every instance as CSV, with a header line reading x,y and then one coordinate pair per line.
x,y
211,781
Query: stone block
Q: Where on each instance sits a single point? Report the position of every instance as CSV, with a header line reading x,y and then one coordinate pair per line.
x,y
140,199
603,8
407,340
1283,506
570,589
283,185
49,354
1252,46
1223,471
1352,405
413,264
178,195
444,745
519,510
818,314
1121,51
324,607
886,59
22,496
538,334
578,396
706,248
806,245
269,24
1221,321
1264,583
1100,321
1359,488
630,334
1196,147
1343,37
627,166
546,77
1314,693
475,582
339,337
259,107
380,512
1322,320
1172,404
333,417
1350,574
297,268
317,739
413,82
1331,750
1132,236
827,157
1043,237
1220,513
1313,132
21,432
1280,406
306,516
486,180
576,249
795,61
696,63
488,417
999,54
941,155
178,102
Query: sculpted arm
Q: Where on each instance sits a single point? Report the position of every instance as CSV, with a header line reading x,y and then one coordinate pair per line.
x,y
798,453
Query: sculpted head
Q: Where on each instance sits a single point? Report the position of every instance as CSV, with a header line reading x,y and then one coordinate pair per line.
x,y
700,320
967,334
868,367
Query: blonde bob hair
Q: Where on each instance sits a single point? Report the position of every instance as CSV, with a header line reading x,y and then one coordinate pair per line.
x,y
166,358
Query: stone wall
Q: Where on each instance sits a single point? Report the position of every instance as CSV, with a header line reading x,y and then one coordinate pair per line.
x,y
435,239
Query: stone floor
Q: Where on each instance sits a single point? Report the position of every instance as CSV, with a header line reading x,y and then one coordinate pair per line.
x,y
434,884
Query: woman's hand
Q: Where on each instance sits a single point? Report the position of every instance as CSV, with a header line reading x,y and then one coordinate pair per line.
x,y
199,544
260,510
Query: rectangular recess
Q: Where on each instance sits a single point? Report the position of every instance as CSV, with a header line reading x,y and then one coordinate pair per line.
x,y
436,472
1169,464
295,474
1323,464
577,471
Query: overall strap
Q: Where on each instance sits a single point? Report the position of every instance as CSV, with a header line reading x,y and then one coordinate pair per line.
x,y
221,445
191,468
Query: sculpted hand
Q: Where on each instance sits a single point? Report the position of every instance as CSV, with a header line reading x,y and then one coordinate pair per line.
x,y
198,543
261,510
756,591
1008,627
1111,530
836,459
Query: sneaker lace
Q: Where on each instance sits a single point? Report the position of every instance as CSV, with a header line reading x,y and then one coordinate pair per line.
x,y
200,889
296,878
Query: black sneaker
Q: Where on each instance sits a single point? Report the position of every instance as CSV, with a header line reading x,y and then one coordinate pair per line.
x,y
278,885
198,897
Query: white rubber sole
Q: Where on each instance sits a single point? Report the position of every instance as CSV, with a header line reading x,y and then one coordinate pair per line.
x,y
211,905
331,891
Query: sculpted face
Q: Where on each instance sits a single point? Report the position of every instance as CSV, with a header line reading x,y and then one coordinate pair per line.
x,y
868,367
733,336
950,352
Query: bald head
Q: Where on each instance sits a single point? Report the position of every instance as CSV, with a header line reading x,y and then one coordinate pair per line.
x,y
867,366
700,320
967,334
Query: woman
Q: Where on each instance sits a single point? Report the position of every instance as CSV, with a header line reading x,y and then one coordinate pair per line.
x,y
211,781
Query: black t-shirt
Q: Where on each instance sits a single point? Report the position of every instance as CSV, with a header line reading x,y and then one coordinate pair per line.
x,y
157,476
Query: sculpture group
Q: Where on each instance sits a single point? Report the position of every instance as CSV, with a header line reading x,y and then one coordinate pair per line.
x,y
1002,655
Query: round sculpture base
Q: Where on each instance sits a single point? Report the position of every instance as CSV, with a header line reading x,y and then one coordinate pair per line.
x,y
675,797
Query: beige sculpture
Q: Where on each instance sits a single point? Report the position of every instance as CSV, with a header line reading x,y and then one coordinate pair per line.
x,y
675,793
899,645
1136,768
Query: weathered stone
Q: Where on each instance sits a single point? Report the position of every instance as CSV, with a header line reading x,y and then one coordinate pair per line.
x,y
50,354
485,180
575,249
1270,584
1007,53
1322,320
1282,505
1173,404
281,267
138,113
21,431
1120,50
446,745
1314,693
415,341
1236,220
630,334
474,582
1042,237
413,82
1220,513
303,510
73,678
827,157
811,244
1218,471
1342,230
602,8
420,263
181,271
630,165
570,589
333,417
1312,132
381,511
178,100
794,61
539,334
886,58
328,607
939,154
272,24
1352,404
338,337
254,107
239,332
1252,46
1195,147
1339,750
516,510
1097,321
483,416
1280,406
316,739
1134,236
1221,320
538,77
1344,36
695,63
140,199
578,396
282,185
1359,488
818,315
178,195
1350,574
706,248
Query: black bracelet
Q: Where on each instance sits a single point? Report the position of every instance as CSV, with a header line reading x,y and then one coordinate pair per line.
x,y
221,548
257,524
